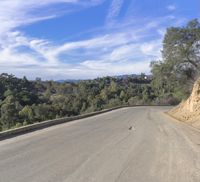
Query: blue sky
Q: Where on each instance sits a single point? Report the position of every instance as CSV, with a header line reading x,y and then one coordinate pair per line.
x,y
80,39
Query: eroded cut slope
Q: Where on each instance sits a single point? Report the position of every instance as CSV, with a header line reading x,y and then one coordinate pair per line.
x,y
189,110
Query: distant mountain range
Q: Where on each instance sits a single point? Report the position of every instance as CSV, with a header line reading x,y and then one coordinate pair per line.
x,y
117,77
68,81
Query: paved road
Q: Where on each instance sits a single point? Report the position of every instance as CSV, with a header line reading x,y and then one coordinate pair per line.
x,y
103,149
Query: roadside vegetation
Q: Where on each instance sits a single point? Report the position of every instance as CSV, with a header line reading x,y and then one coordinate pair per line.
x,y
25,102
175,74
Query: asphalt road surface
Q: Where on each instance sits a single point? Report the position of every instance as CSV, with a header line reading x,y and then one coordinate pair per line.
x,y
105,148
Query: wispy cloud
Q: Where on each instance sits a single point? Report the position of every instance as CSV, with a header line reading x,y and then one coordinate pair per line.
x,y
118,52
125,50
171,7
114,10
125,47
21,12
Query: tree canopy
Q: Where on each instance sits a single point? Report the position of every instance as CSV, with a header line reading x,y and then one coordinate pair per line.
x,y
25,102
180,65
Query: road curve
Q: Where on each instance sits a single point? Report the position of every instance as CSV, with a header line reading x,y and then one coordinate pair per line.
x,y
105,148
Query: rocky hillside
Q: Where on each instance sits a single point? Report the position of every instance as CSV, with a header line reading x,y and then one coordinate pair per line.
x,y
189,110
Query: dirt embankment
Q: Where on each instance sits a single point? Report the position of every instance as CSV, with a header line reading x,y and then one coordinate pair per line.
x,y
189,110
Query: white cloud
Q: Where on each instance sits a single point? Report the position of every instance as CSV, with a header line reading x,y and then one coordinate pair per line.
x,y
14,13
138,51
123,52
108,41
126,47
171,7
114,10
152,48
121,56
103,68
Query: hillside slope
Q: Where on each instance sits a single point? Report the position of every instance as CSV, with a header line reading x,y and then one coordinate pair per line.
x,y
189,110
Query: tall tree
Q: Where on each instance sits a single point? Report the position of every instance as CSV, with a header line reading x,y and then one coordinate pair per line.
x,y
9,112
180,64
181,49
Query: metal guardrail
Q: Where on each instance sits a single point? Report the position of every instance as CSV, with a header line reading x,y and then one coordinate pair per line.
x,y
44,124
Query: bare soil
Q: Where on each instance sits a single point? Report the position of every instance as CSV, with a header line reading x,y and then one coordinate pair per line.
x,y
189,110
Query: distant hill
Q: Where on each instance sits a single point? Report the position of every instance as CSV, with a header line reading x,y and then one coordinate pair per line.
x,y
116,77
68,81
